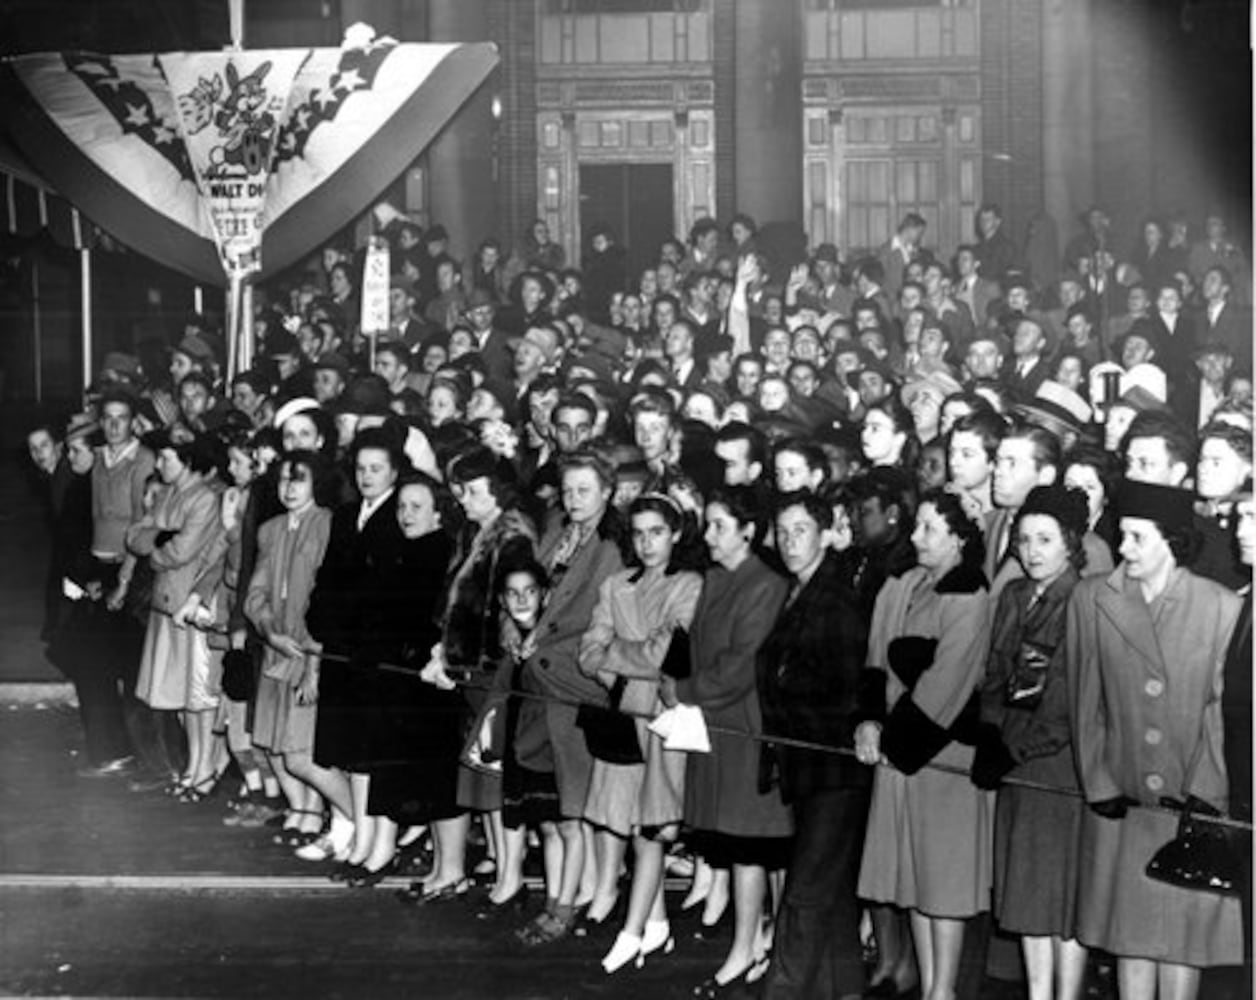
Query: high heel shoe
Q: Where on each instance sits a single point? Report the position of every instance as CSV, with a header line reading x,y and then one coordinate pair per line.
x,y
625,950
712,989
657,936
516,903
364,878
703,877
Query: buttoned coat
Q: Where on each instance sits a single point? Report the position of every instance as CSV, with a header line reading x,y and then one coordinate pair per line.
x,y
1145,685
546,736
734,616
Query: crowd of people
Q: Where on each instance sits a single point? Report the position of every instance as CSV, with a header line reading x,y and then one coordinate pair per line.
x,y
956,570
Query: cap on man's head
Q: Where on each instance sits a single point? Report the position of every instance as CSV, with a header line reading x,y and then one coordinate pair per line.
x,y
196,347
477,299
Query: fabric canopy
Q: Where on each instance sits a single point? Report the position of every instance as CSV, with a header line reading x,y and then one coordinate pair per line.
x,y
108,133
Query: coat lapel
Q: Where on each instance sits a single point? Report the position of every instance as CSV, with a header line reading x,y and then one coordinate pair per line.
x,y
1120,602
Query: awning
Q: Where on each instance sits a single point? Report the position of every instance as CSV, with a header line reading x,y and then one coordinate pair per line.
x,y
104,131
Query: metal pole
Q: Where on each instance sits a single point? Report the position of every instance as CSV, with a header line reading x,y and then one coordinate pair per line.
x,y
235,12
246,329
85,280
233,324
198,300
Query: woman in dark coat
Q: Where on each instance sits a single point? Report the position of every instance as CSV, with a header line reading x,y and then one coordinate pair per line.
x,y
469,650
414,746
810,670
1145,650
1025,735
363,534
734,824
1236,710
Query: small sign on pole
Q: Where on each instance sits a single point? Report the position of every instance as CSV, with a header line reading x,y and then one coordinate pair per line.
x,y
375,274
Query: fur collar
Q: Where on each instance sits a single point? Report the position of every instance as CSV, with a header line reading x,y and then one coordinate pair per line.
x,y
963,580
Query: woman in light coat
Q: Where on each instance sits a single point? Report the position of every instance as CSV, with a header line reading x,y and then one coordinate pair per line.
x,y
1145,651
177,535
929,846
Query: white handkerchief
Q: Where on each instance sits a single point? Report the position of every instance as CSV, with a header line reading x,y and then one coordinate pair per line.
x,y
683,728
71,590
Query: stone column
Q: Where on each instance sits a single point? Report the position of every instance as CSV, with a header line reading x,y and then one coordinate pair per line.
x,y
462,189
1068,112
768,105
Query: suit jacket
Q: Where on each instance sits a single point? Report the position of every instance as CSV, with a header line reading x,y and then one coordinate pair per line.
x,y
1024,387
499,357
977,298
1234,328
810,668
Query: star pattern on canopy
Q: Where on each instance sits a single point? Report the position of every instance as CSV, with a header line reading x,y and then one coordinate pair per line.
x,y
356,71
131,107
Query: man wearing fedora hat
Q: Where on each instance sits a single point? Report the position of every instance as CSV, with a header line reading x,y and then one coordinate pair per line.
x,y
492,343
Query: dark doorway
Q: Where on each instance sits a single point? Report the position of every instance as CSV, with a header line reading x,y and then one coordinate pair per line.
x,y
635,200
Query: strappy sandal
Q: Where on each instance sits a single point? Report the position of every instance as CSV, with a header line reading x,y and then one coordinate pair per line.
x,y
290,836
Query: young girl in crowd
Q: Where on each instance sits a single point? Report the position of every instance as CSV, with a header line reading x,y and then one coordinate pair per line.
x,y
291,546
639,610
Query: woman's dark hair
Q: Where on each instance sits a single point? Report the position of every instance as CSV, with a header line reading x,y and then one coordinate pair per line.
x,y
904,423
968,531
182,444
450,511
1072,539
1103,462
687,553
481,462
322,473
747,505
519,562
380,439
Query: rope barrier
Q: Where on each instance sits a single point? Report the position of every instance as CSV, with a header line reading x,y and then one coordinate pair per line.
x,y
773,740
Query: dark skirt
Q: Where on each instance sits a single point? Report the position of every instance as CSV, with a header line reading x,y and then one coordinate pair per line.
x,y
723,850
348,712
529,798
412,751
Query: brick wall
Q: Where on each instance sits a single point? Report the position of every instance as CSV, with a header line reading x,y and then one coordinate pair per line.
x,y
513,26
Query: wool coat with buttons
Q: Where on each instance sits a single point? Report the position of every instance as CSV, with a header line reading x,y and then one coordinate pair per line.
x,y
1145,690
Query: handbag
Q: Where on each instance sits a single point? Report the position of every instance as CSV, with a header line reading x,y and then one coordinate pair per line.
x,y
1202,856
1029,675
610,735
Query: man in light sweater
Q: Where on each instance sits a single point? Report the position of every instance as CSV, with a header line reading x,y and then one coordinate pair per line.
x,y
119,478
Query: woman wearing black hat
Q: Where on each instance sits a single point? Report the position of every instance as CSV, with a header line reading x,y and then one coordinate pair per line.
x,y
1144,648
1025,735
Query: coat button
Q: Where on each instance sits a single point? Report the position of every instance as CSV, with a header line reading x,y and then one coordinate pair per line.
x,y
544,662
1154,782
1154,688
1153,737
